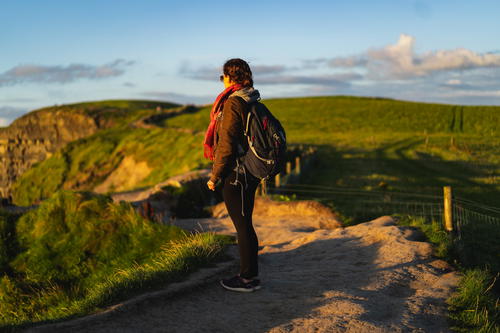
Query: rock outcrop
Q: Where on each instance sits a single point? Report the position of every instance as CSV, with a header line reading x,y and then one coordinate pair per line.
x,y
36,135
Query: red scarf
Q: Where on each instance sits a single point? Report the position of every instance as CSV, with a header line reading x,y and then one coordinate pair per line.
x,y
208,144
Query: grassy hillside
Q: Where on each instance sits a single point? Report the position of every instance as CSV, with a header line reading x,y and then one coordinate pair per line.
x,y
363,142
84,164
80,251
406,146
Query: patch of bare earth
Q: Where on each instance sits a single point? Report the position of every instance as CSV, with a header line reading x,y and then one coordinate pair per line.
x,y
126,176
316,277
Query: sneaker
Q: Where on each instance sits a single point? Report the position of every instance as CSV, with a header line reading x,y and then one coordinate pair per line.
x,y
236,284
255,283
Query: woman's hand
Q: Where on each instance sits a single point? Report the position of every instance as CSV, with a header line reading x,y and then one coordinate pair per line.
x,y
211,185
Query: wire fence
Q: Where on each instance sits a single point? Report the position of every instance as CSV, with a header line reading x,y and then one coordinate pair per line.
x,y
474,227
363,204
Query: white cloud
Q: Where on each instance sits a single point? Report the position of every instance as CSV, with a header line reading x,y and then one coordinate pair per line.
x,y
399,61
4,122
62,74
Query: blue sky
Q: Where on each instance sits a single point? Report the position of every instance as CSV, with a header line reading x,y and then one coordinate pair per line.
x,y
55,52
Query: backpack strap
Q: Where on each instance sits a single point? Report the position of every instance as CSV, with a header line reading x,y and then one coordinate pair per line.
x,y
248,123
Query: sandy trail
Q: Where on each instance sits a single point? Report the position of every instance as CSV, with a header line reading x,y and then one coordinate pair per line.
x,y
373,277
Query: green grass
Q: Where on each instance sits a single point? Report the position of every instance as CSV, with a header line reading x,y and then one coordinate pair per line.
x,y
85,163
78,252
436,235
475,306
197,121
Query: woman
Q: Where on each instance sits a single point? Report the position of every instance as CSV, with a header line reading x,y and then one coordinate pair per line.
x,y
224,143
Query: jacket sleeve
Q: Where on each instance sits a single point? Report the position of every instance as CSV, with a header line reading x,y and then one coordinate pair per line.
x,y
230,134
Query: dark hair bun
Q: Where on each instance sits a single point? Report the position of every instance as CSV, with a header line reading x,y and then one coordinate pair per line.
x,y
238,71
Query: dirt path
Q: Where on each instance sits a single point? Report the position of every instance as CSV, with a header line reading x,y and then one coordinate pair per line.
x,y
373,277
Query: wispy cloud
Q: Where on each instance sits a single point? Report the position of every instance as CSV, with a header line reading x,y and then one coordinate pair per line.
x,y
274,75
179,98
17,100
269,69
212,73
338,80
62,74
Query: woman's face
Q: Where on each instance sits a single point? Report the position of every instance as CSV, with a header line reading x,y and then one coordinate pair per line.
x,y
227,81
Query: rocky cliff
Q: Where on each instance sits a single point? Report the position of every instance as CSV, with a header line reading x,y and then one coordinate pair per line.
x,y
36,135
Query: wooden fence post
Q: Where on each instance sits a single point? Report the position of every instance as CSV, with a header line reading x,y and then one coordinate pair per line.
x,y
297,165
277,181
448,216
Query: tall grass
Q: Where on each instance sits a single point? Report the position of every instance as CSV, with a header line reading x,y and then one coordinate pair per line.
x,y
81,251
474,307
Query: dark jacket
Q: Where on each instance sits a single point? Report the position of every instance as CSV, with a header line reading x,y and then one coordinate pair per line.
x,y
230,140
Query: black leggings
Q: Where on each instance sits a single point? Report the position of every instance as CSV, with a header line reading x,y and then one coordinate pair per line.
x,y
248,243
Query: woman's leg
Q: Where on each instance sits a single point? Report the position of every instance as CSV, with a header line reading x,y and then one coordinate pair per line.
x,y
247,239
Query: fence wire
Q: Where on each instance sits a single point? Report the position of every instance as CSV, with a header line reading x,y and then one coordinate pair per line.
x,y
364,204
476,226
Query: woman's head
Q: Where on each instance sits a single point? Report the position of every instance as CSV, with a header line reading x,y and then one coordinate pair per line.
x,y
238,71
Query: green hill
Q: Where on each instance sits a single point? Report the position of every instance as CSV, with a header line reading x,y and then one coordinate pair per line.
x,y
130,141
363,142
407,146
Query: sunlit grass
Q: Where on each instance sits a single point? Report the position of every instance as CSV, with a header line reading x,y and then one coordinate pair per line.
x,y
80,251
